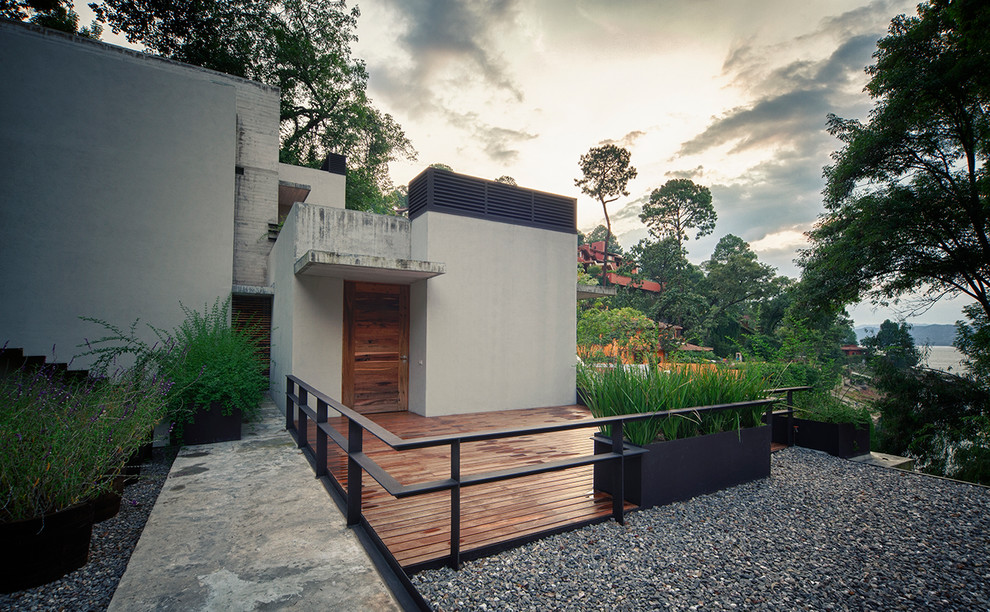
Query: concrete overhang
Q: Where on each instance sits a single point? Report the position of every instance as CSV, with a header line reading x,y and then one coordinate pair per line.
x,y
590,292
367,268
290,193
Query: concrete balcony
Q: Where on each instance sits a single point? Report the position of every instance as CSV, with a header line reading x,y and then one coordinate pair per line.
x,y
354,245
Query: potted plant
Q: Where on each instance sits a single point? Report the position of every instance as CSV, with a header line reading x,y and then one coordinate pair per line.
x,y
686,454
216,371
218,376
825,423
62,445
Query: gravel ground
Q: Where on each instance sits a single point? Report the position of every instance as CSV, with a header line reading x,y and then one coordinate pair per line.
x,y
821,534
91,587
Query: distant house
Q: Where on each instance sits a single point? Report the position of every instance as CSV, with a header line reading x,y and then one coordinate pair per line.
x,y
132,184
593,254
851,350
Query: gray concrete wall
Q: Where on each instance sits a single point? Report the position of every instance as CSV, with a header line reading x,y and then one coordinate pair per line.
x,y
326,188
256,203
118,187
351,231
498,328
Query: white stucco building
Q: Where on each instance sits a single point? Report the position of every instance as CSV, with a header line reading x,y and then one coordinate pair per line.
x,y
132,183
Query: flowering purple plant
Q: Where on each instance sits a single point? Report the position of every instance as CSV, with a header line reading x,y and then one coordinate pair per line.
x,y
63,441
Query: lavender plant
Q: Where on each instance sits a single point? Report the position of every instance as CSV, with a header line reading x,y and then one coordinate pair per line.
x,y
62,442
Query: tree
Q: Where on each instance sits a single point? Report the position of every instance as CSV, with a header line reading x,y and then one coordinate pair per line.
x,y
54,14
505,179
735,275
682,301
893,345
605,174
973,340
677,206
303,48
906,198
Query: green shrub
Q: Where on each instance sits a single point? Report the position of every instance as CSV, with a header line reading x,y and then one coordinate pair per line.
x,y
618,390
212,362
206,359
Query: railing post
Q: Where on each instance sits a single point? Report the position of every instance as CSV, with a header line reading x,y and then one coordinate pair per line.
x,y
455,505
618,493
321,438
790,418
290,388
303,436
355,445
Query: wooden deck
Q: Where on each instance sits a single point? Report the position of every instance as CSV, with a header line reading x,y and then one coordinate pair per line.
x,y
416,530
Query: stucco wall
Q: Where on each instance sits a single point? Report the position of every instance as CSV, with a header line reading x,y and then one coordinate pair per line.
x,y
118,188
496,331
326,188
307,319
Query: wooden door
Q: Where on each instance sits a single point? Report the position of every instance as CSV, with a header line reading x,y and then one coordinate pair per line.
x,y
376,347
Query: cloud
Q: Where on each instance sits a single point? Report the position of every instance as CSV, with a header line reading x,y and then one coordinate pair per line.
x,y
784,240
497,142
445,41
695,173
626,141
790,101
777,120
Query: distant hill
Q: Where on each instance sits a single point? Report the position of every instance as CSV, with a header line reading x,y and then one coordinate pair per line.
x,y
934,335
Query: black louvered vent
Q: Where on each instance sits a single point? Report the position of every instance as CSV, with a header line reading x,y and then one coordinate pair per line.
x,y
442,191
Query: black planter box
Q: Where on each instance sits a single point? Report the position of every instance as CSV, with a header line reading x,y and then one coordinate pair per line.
x,y
210,425
39,550
837,439
681,469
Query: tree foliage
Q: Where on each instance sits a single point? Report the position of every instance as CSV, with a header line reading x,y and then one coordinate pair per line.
x,y
55,14
735,275
303,48
605,174
893,345
629,329
676,207
907,195
939,418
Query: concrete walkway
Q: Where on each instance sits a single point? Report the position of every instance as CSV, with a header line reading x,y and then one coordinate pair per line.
x,y
245,526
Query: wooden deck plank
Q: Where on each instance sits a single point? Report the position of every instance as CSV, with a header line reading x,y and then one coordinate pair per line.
x,y
416,529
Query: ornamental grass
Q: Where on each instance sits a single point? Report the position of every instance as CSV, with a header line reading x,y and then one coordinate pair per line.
x,y
613,390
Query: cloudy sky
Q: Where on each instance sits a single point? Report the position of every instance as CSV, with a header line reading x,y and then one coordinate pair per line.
x,y
732,94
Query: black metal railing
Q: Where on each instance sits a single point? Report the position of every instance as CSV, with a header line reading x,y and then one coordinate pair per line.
x,y
299,395
787,410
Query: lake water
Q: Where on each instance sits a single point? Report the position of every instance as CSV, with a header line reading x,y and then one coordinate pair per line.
x,y
947,358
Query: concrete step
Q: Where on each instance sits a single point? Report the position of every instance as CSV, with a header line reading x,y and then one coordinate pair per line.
x,y
885,460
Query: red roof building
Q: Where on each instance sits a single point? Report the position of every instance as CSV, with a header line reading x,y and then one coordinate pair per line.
x,y
594,254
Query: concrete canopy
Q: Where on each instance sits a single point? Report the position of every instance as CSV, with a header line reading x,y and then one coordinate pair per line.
x,y
367,268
